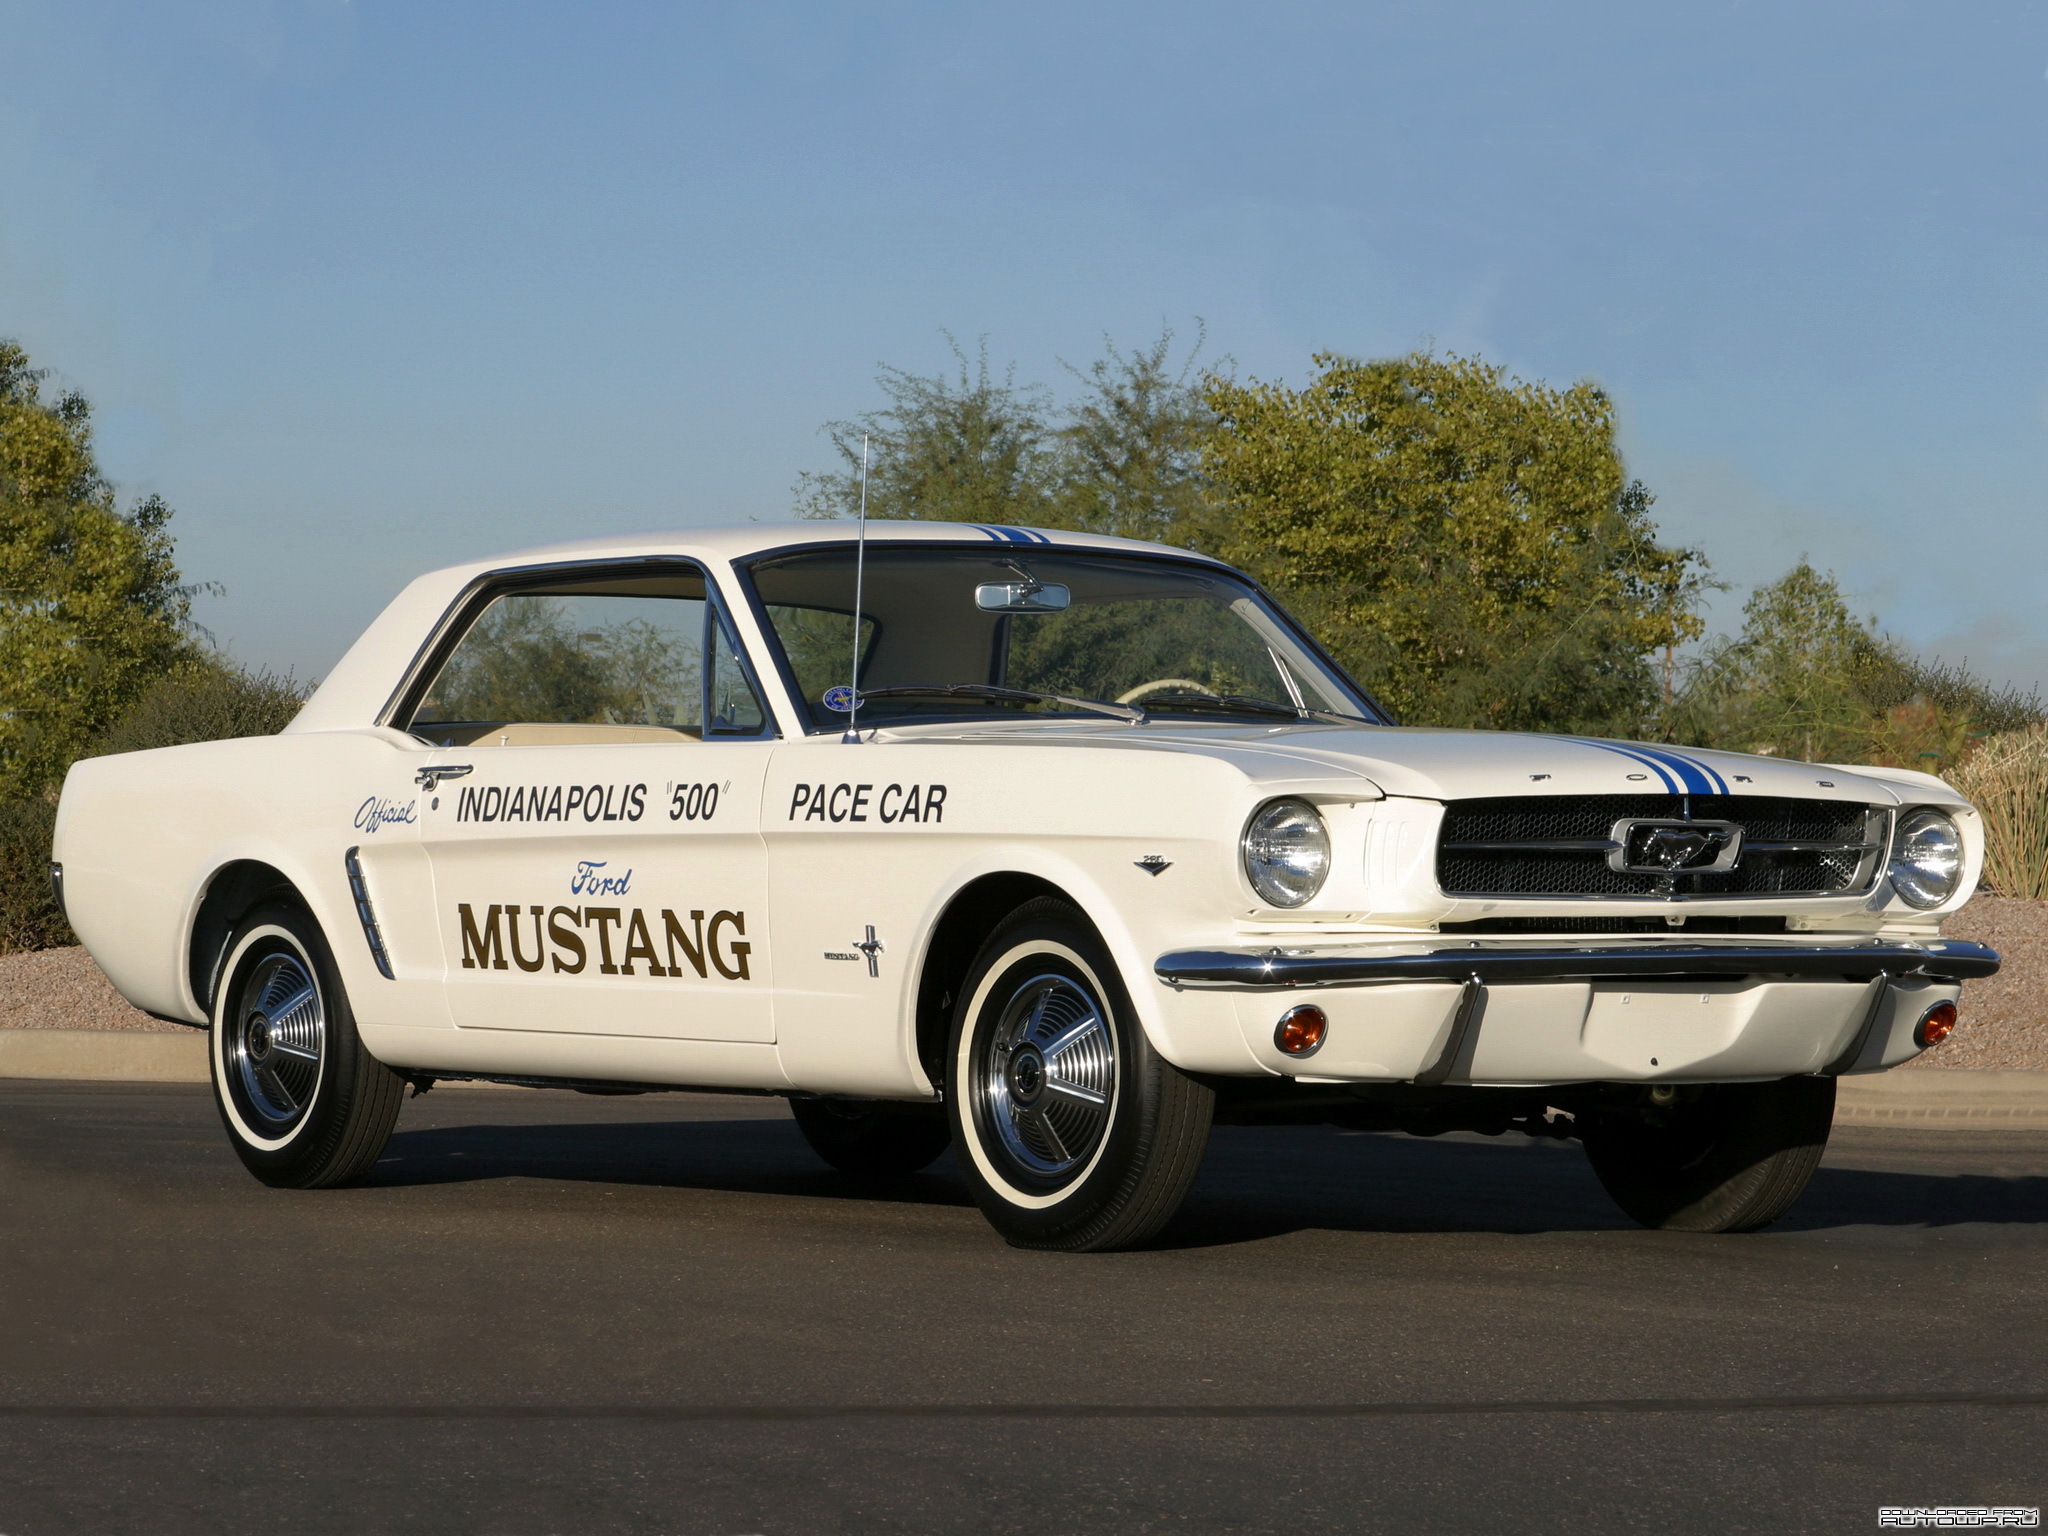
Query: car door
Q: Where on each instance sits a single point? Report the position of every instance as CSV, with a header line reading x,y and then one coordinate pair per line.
x,y
595,834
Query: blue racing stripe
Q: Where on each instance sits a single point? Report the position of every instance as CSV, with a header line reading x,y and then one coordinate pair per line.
x,y
1006,535
1713,783
1689,772
1633,756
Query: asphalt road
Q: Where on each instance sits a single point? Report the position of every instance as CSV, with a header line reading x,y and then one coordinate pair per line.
x,y
552,1313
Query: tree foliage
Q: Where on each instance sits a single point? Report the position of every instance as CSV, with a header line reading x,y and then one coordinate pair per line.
x,y
1123,457
91,607
1808,678
969,448
1467,543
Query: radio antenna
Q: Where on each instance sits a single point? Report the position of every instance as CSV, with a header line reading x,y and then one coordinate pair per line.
x,y
860,572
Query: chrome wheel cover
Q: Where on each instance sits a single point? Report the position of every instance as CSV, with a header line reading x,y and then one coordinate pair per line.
x,y
1046,1077
277,1036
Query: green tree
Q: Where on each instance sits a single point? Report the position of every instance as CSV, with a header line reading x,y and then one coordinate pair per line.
x,y
1129,448
1808,678
1124,456
1467,543
93,608
969,448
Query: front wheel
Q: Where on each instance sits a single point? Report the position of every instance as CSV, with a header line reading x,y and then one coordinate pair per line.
x,y
1728,1157
305,1105
1074,1133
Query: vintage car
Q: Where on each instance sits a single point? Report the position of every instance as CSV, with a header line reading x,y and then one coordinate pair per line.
x,y
1092,846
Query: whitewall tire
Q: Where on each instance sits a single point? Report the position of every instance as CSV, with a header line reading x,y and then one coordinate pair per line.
x,y
1073,1132
305,1105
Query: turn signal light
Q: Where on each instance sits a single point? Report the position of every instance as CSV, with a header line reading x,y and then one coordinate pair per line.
x,y
1935,1026
1300,1030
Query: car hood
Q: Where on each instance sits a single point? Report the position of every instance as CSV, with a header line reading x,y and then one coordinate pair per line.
x,y
1433,764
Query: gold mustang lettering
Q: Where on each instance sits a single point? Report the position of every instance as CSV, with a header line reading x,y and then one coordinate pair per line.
x,y
719,945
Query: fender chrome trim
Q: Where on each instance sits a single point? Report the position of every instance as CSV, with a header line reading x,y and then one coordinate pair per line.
x,y
1349,964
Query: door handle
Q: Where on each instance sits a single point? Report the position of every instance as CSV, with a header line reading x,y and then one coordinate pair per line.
x,y
430,779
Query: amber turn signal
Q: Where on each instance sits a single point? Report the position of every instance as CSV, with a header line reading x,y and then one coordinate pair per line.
x,y
1300,1030
1935,1026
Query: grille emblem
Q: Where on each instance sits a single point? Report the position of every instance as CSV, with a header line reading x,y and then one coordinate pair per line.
x,y
1644,847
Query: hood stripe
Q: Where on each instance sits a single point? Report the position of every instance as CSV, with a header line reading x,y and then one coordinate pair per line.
x,y
1670,784
1693,776
1716,785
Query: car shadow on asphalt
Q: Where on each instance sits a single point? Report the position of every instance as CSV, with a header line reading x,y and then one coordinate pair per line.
x,y
762,1157
1260,1184
1256,1183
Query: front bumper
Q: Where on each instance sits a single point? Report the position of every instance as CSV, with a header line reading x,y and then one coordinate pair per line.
x,y
1439,1011
1609,959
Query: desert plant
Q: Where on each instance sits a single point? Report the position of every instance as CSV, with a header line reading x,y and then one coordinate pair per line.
x,y
2006,778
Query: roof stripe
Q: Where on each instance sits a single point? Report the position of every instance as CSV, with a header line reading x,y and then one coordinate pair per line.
x,y
1006,535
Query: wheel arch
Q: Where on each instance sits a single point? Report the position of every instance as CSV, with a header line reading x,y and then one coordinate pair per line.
x,y
970,916
231,891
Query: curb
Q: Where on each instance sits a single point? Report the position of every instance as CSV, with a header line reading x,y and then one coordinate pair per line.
x,y
1922,1099
104,1055
1934,1098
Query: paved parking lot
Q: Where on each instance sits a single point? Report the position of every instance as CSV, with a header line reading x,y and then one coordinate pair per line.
x,y
562,1314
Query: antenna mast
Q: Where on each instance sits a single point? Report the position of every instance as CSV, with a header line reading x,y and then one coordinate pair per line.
x,y
860,572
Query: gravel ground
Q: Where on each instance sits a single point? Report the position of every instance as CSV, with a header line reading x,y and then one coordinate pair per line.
x,y
63,989
2004,1024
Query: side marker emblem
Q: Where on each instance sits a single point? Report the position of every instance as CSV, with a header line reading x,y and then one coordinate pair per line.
x,y
872,947
1153,864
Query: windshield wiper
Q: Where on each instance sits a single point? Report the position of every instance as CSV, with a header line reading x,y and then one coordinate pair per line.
x,y
992,694
1242,704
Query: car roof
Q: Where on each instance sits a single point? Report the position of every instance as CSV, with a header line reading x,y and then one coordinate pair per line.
x,y
737,541
360,684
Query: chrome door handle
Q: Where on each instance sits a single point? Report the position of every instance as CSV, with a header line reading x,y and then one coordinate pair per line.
x,y
430,779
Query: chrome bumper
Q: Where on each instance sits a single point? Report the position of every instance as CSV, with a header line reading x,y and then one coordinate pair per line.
x,y
1325,965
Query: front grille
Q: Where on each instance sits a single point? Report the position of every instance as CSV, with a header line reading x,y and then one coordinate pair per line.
x,y
1687,926
1558,845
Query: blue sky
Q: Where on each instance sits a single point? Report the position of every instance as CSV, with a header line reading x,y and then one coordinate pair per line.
x,y
366,288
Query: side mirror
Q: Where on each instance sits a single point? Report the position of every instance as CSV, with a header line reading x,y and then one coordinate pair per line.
x,y
1021,597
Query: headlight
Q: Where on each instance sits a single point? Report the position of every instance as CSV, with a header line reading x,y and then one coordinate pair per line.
x,y
1927,858
1286,852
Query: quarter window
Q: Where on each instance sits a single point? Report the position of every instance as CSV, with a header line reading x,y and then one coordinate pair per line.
x,y
633,659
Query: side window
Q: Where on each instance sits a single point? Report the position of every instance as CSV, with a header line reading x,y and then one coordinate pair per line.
x,y
735,708
619,660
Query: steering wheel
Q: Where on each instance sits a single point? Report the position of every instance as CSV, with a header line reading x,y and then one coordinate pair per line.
x,y
1186,684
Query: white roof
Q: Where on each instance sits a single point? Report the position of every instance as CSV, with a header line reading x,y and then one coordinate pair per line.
x,y
362,681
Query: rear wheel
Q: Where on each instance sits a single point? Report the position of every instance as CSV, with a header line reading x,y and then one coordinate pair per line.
x,y
870,1138
1728,1157
1073,1132
305,1105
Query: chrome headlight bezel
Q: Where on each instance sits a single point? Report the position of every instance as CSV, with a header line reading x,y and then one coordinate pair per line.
x,y
1284,851
1925,866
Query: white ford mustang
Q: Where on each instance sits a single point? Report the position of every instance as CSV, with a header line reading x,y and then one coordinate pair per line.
x,y
1095,847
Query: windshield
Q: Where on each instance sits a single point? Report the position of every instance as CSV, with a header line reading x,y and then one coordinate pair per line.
x,y
1048,628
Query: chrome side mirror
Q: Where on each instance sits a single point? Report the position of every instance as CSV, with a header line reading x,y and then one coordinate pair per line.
x,y
1021,597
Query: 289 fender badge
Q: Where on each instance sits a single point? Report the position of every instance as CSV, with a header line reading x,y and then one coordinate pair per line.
x,y
1153,864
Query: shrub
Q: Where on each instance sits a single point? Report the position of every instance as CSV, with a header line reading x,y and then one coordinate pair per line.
x,y
2007,780
29,919
213,704
197,704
